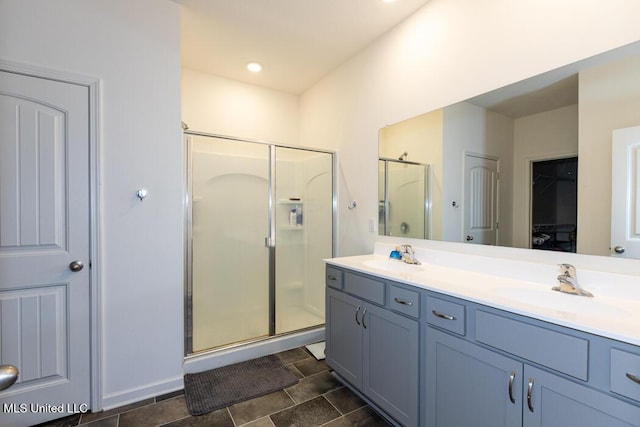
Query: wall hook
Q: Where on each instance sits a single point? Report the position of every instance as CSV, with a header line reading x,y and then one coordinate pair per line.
x,y
141,194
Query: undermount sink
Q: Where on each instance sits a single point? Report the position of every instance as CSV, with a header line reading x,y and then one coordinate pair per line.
x,y
554,300
394,266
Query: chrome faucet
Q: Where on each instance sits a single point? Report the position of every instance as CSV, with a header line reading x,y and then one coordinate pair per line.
x,y
568,281
407,255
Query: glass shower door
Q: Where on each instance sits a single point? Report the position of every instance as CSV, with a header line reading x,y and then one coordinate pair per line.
x,y
304,236
229,187
403,198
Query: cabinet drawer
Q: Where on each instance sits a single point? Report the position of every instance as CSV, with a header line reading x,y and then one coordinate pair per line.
x,y
625,374
552,349
445,314
364,287
404,301
334,277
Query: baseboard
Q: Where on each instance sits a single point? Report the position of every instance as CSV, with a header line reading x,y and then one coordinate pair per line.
x,y
125,397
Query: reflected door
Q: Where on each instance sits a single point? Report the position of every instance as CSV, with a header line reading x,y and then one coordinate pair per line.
x,y
229,259
480,200
625,193
303,228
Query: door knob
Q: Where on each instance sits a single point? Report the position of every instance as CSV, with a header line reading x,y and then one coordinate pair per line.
x,y
619,249
76,266
8,376
469,238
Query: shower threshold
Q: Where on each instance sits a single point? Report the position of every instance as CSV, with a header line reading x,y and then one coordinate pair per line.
x,y
258,347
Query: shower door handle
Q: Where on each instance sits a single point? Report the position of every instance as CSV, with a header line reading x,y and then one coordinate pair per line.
x,y
269,242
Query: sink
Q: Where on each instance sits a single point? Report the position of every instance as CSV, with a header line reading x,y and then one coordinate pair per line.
x,y
393,266
546,298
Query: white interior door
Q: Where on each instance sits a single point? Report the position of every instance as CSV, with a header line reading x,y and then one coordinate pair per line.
x,y
480,200
44,229
625,193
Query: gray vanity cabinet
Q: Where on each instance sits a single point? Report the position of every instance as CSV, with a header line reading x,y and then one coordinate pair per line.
x,y
344,336
468,383
472,365
556,401
470,386
375,350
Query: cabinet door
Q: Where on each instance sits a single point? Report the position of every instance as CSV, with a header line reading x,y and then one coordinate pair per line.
x,y
470,386
344,336
391,367
556,401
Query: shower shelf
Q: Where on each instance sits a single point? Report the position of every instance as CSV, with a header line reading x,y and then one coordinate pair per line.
x,y
290,202
291,227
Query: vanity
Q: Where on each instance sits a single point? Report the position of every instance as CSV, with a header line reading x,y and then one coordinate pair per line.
x,y
465,339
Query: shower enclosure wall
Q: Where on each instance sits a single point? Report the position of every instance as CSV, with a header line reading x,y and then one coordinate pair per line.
x,y
260,222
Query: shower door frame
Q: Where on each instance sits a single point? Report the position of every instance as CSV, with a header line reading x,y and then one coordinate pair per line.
x,y
270,240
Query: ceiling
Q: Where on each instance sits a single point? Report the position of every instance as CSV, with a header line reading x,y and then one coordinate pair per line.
x,y
297,42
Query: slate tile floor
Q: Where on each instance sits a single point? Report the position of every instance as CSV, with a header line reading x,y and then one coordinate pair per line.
x,y
317,400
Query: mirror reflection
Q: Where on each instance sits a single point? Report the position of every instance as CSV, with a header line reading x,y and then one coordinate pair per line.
x,y
527,165
404,200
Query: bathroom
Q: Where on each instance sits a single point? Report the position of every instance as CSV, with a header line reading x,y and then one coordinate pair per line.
x,y
137,306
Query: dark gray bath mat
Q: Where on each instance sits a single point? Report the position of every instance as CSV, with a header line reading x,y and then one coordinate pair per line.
x,y
217,388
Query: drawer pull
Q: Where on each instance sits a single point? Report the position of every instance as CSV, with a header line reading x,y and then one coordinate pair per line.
x,y
512,377
403,302
357,311
529,391
633,378
443,316
334,278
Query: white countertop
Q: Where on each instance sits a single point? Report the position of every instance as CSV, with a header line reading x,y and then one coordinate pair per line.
x,y
520,287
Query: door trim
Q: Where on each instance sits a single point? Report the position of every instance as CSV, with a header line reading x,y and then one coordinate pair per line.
x,y
95,307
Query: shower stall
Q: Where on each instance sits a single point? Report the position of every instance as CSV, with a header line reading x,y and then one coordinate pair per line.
x,y
260,221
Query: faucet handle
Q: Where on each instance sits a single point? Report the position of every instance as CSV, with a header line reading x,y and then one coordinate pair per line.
x,y
406,249
567,269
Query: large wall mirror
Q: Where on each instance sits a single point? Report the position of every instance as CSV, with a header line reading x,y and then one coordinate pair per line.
x,y
527,165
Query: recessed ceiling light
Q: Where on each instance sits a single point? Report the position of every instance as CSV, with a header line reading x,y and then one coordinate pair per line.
x,y
254,67
388,1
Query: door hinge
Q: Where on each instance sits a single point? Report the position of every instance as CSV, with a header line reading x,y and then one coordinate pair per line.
x,y
497,225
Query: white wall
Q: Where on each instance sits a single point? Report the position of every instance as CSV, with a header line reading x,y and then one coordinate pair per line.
x,y
134,49
448,51
221,106
549,135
